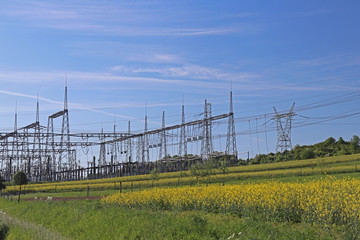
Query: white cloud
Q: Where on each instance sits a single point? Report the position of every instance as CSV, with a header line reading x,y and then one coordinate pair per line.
x,y
71,104
198,79
122,19
191,72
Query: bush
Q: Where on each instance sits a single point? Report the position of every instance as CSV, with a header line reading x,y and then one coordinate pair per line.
x,y
3,231
2,185
307,154
20,178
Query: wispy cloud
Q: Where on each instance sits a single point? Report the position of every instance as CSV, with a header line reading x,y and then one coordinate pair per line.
x,y
191,77
150,58
72,105
191,72
311,13
123,19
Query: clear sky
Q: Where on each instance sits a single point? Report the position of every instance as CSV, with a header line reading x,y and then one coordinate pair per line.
x,y
119,56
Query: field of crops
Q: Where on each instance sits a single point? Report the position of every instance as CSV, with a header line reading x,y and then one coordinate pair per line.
x,y
305,199
326,201
300,168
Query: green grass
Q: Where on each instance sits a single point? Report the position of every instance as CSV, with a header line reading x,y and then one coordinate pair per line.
x,y
92,220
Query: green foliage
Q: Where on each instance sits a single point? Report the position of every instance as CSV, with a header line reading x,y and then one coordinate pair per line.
x,y
307,154
209,168
20,178
4,229
340,141
355,140
2,185
154,175
329,141
223,168
330,147
113,222
196,170
204,170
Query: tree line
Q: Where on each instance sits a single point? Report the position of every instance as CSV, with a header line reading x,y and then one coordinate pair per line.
x,y
329,147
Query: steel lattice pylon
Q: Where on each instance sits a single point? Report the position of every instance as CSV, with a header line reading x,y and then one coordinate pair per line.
x,y
163,148
231,136
50,153
183,143
283,126
128,147
206,143
146,154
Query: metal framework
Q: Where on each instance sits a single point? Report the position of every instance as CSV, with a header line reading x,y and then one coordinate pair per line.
x,y
231,136
49,155
283,126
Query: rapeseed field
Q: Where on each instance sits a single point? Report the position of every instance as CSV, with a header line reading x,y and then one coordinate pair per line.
x,y
328,201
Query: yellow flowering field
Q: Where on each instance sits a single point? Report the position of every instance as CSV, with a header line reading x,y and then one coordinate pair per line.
x,y
97,185
348,164
327,201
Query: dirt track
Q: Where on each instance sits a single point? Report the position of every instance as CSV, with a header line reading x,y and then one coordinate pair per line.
x,y
60,199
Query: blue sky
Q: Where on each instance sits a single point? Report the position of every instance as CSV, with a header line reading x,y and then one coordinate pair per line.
x,y
119,56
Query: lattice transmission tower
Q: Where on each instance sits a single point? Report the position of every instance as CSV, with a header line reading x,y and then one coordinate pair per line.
x,y
146,152
65,144
206,143
163,147
128,147
283,126
183,143
231,136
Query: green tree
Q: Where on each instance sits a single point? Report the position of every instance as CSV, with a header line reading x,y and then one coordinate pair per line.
x,y
2,185
307,154
209,169
355,140
330,141
355,144
154,175
340,141
20,179
223,169
181,174
196,171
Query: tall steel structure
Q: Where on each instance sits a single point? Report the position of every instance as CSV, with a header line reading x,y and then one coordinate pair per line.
x,y
36,150
163,147
102,153
115,148
15,149
283,126
183,143
128,147
50,153
206,143
65,136
146,154
231,136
